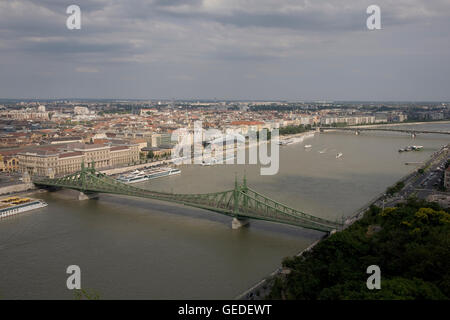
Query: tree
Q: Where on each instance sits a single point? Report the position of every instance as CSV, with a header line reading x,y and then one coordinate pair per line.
x,y
409,243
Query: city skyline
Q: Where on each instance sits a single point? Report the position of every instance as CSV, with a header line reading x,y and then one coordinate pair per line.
x,y
229,50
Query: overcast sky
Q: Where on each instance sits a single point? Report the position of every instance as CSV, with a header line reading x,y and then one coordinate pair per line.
x,y
226,49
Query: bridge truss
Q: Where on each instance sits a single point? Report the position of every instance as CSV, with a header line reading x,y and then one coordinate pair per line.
x,y
240,202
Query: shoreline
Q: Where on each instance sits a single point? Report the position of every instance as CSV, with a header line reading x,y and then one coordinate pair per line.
x,y
250,294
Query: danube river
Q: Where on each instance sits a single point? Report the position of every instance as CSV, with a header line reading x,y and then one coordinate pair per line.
x,y
143,249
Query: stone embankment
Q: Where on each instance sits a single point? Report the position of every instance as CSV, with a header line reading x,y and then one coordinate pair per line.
x,y
15,188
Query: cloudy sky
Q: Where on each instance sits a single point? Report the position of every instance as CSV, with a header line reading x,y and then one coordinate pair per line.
x,y
226,49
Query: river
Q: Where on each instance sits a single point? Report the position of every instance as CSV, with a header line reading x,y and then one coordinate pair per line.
x,y
130,248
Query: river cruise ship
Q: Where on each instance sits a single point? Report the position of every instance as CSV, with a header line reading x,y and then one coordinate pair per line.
x,y
144,175
13,205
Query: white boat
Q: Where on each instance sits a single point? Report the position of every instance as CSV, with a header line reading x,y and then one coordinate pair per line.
x,y
339,155
286,142
308,146
133,178
161,172
174,171
323,151
148,174
14,205
410,148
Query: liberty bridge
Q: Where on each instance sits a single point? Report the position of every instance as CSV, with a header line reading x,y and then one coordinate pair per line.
x,y
241,203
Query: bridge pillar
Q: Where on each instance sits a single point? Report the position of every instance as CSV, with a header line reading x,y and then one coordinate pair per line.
x,y
238,223
87,195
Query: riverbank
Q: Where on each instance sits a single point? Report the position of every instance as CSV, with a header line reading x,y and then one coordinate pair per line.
x,y
407,243
17,188
261,289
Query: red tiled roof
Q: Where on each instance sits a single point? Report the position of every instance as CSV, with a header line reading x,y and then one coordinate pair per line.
x,y
70,154
118,148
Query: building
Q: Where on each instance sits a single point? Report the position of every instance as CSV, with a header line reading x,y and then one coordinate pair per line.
x,y
157,151
443,199
8,162
61,160
80,110
146,112
159,139
60,140
27,114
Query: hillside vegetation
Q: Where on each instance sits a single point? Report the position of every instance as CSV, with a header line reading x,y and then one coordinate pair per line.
x,y
410,244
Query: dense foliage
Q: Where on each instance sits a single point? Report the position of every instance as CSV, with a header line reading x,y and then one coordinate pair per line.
x,y
410,244
294,129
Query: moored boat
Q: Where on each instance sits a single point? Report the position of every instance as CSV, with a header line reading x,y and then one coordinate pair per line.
x,y
13,205
139,176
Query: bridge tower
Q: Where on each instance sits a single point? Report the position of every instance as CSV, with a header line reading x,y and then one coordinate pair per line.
x,y
239,222
84,194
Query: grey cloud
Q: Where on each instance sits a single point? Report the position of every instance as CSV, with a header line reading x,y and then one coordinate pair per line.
x,y
278,42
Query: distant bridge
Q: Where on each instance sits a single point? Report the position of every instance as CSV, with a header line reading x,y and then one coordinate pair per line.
x,y
241,203
412,132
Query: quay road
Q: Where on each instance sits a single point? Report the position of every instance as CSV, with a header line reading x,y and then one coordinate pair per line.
x,y
422,185
416,184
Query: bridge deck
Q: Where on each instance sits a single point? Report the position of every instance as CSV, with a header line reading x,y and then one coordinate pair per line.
x,y
240,202
384,129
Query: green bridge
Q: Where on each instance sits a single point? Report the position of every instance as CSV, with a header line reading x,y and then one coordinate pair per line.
x,y
240,203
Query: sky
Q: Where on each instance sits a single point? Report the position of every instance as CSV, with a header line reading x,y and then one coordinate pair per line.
x,y
226,49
